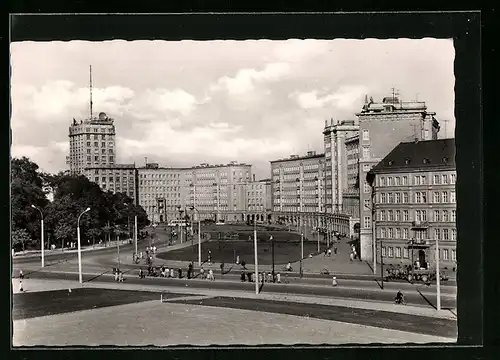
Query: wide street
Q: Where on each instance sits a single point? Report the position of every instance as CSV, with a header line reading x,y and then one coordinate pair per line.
x,y
358,300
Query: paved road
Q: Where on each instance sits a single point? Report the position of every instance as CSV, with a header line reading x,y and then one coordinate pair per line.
x,y
381,319
412,297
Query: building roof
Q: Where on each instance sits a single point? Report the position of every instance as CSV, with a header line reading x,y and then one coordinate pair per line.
x,y
111,166
419,155
311,155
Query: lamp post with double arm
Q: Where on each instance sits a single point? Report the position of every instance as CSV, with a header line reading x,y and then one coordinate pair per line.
x,y
42,245
79,245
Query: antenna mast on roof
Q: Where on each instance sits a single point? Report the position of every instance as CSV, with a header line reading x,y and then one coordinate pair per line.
x,y
91,92
445,133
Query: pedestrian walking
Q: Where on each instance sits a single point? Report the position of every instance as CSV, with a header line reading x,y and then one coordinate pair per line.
x,y
21,277
202,273
190,270
249,276
211,274
222,268
329,252
334,281
120,278
351,257
278,278
242,277
179,271
335,250
172,273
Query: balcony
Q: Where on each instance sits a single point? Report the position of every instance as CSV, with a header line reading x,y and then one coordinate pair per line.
x,y
419,225
418,244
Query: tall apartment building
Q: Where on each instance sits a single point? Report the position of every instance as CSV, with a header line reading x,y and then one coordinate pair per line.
x,y
416,203
382,126
216,191
114,178
336,162
350,200
298,183
259,196
91,143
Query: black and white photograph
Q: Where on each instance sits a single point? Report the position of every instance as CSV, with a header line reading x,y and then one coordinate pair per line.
x,y
233,192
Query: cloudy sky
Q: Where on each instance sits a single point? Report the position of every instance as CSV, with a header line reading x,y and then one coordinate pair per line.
x,y
186,102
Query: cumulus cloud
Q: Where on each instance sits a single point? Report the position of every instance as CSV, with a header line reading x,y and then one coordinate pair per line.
x,y
346,97
245,79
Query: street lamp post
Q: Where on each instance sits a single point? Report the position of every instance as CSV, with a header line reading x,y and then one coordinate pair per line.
x,y
438,278
42,242
272,249
79,245
199,235
255,255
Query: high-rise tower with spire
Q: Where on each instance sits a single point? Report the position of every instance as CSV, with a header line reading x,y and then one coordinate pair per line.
x,y
91,141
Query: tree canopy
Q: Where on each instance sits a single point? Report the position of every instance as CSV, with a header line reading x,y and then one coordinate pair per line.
x,y
108,216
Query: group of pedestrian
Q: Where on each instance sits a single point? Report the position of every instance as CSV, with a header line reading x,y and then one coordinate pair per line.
x,y
263,277
328,252
118,275
209,276
354,254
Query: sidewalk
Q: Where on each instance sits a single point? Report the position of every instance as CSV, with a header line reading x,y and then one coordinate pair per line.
x,y
48,252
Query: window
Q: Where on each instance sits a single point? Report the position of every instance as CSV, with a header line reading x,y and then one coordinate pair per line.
x,y
96,143
453,216
436,197
398,215
366,222
398,233
382,181
445,179
103,151
423,180
445,254
453,255
406,253
104,179
437,180
382,215
426,134
398,198
397,180
366,152
96,158
446,234
390,215
89,158
389,181
111,158
366,167
406,215
445,196
437,216
390,250
96,172
383,251
405,180
406,198
416,180
418,215
453,178
88,136
418,198
437,234
96,179
382,233
405,233
367,203
383,198
452,197
424,215
446,217
390,198
398,252
88,143
366,135
424,197
366,187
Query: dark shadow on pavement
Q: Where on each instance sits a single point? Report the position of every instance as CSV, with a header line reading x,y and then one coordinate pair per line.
x,y
97,276
426,300
40,269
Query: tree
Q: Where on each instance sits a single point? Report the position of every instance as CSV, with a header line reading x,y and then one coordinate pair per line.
x,y
20,238
26,190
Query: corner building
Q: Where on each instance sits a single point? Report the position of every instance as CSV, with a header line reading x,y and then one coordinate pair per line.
x,y
381,127
416,204
117,178
217,191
